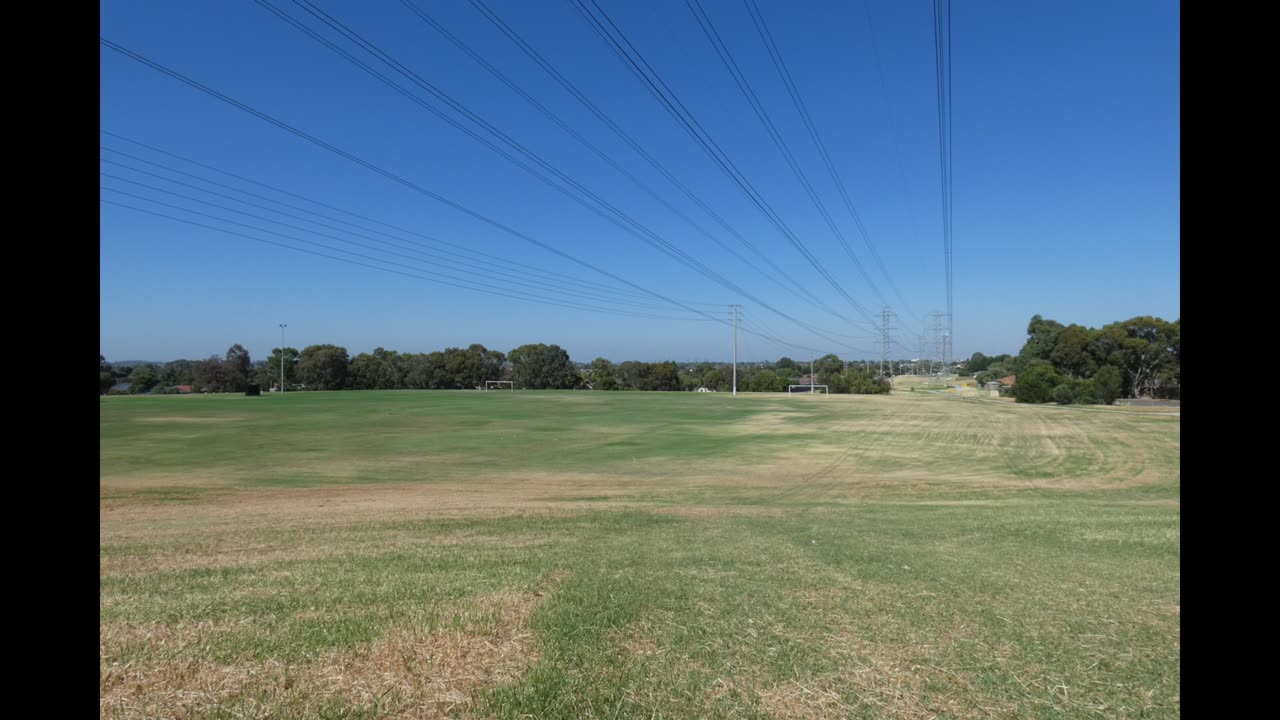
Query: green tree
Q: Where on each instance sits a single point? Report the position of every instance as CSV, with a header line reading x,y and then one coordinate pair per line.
x,y
380,370
603,374
664,376
177,372
213,375
978,362
1108,383
1086,393
828,366
105,377
1065,392
1036,384
718,379
425,371
143,379
268,374
238,368
540,366
786,362
634,375
324,367
1072,355
1042,337
1145,347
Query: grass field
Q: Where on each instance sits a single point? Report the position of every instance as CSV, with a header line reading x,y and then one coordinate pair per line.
x,y
637,555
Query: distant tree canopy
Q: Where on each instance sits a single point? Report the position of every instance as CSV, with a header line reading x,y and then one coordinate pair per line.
x,y
539,367
106,378
534,366
324,367
1138,357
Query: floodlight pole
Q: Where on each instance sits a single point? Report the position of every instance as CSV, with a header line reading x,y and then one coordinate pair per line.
x,y
282,327
735,349
811,373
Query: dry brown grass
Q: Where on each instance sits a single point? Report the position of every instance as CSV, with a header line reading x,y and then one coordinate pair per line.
x,y
409,672
198,419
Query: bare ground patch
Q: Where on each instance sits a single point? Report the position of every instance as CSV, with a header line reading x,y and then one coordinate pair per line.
x,y
411,671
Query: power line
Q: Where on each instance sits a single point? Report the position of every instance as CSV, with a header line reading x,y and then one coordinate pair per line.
x,y
891,116
604,118
781,66
601,291
515,279
561,277
385,173
381,171
448,281
744,86
942,59
559,122
613,214
677,110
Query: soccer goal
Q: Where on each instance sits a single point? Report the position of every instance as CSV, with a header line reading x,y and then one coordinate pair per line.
x,y
497,384
806,389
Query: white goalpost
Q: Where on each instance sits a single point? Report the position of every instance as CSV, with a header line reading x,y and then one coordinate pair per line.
x,y
807,389
497,384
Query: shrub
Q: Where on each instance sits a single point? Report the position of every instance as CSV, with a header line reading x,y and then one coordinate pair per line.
x,y
1036,384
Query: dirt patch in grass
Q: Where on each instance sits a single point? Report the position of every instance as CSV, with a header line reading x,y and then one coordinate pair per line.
x,y
769,423
411,671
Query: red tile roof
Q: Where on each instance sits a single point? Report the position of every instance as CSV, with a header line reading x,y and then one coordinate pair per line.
x,y
1008,380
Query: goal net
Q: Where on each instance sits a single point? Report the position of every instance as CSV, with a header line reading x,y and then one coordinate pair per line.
x,y
806,389
497,384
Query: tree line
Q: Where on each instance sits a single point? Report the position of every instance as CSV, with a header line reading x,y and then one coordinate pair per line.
x,y
533,367
1138,357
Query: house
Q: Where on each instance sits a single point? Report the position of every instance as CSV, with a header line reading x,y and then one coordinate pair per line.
x,y
806,380
182,389
1008,380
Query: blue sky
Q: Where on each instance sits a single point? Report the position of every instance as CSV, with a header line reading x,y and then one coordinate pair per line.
x,y
1065,162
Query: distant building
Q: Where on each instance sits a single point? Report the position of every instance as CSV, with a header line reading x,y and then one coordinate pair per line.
x,y
183,389
1001,387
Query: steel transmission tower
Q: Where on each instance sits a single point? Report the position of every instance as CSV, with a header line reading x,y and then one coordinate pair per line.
x,y
886,340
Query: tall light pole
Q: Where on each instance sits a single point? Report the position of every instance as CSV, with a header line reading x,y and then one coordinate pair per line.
x,y
282,327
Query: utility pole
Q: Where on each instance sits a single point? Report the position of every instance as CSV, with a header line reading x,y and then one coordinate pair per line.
x,y
811,378
282,327
735,348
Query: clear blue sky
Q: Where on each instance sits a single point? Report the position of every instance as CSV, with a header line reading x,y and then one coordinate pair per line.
x,y
1065,152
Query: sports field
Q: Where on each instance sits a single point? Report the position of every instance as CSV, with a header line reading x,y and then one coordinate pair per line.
x,y
639,555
